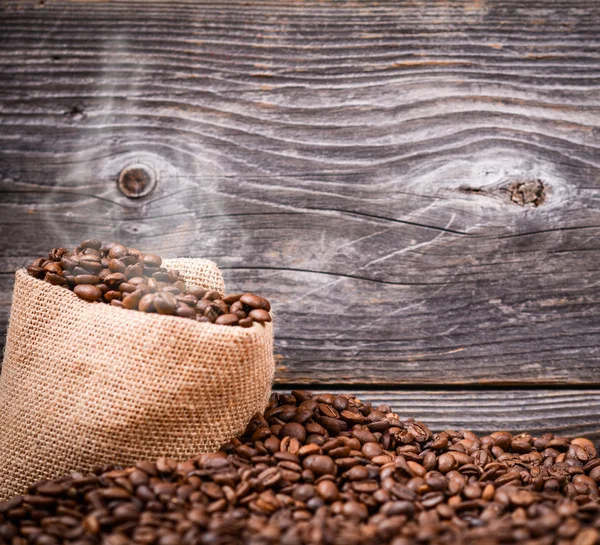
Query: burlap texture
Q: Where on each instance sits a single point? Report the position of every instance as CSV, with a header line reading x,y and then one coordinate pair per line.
x,y
84,383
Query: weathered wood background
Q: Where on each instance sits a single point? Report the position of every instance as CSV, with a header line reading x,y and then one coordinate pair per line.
x,y
415,185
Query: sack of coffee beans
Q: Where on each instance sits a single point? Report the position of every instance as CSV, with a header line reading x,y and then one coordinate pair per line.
x,y
85,383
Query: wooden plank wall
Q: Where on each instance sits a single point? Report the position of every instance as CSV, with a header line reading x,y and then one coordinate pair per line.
x,y
415,185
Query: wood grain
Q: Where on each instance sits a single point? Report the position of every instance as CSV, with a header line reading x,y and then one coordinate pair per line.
x,y
355,162
562,412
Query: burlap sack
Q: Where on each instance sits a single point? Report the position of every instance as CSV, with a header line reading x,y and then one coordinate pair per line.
x,y
84,383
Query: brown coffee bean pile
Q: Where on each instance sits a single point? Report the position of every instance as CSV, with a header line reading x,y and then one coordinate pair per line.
x,y
126,278
326,469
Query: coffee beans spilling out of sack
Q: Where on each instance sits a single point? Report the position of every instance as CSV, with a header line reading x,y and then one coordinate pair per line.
x,y
127,278
327,469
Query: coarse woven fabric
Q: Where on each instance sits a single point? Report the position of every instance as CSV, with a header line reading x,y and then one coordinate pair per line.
x,y
85,384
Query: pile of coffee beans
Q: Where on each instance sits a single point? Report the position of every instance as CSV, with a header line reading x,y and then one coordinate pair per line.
x,y
127,278
326,469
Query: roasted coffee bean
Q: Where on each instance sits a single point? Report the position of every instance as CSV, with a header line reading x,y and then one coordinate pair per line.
x,y
212,312
91,263
131,301
254,301
165,303
55,279
211,295
87,292
133,271
125,277
91,243
87,279
117,251
293,429
116,265
36,272
227,319
196,291
371,449
113,280
259,315
146,303
188,299
320,464
230,299
153,285
128,287
111,295
52,267
56,253
151,260
185,312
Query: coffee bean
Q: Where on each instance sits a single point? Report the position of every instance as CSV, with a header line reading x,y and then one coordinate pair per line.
x,y
371,449
36,272
231,299
587,446
587,536
502,439
117,251
185,312
446,463
328,490
211,295
255,302
212,312
53,270
260,315
332,425
116,265
364,436
355,510
153,285
227,319
196,291
188,299
103,288
293,429
151,260
127,287
87,279
91,243
164,303
320,464
111,295
114,280
133,271
146,303
55,279
87,292
132,300
91,263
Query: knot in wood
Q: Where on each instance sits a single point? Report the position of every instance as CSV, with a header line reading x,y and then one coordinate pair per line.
x,y
532,192
136,180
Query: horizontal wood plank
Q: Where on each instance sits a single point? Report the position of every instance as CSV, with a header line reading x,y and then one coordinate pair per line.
x,y
359,163
562,412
